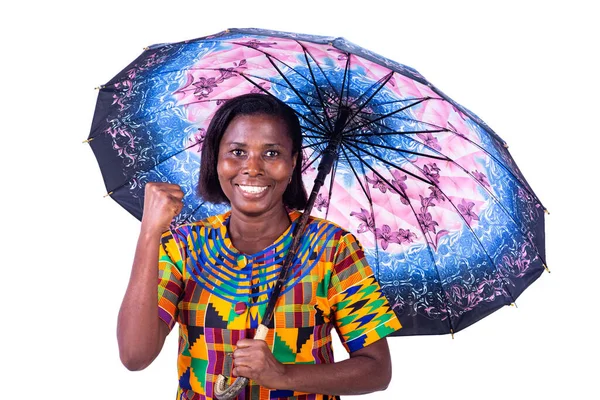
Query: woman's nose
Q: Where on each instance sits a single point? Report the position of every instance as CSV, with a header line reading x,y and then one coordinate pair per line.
x,y
253,165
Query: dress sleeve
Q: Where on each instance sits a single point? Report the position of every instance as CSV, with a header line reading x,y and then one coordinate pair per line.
x,y
361,311
170,279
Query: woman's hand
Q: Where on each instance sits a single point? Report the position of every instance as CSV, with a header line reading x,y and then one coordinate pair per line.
x,y
367,370
162,202
253,359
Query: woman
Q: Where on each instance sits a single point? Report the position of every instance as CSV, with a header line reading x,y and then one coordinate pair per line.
x,y
215,275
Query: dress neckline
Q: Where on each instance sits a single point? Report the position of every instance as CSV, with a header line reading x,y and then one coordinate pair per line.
x,y
283,239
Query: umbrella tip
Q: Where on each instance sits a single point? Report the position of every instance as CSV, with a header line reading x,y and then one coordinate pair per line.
x,y
452,333
88,140
505,145
99,87
146,48
546,268
108,194
546,211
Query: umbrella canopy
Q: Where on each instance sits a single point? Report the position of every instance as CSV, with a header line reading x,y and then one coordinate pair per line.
x,y
447,221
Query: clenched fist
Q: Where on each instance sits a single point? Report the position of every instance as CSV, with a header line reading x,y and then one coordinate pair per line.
x,y
162,202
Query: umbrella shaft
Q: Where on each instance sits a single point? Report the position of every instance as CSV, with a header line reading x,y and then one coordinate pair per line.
x,y
330,153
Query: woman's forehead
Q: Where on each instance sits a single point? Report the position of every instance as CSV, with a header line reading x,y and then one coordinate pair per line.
x,y
257,129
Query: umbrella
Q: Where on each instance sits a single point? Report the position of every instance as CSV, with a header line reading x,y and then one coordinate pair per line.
x,y
448,222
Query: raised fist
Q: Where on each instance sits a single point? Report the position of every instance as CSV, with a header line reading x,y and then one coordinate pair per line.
x,y
162,202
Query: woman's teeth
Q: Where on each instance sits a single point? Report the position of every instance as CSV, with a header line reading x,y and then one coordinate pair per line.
x,y
253,189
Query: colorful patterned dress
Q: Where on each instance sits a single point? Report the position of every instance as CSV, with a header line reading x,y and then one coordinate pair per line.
x,y
218,296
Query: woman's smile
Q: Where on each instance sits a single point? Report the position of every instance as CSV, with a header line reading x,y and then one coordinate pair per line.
x,y
252,190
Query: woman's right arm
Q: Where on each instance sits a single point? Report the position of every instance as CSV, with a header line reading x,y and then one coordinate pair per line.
x,y
140,332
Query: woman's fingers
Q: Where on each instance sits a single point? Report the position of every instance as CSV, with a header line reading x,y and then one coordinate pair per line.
x,y
244,343
253,359
242,370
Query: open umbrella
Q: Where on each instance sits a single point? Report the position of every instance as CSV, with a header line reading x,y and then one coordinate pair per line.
x,y
447,221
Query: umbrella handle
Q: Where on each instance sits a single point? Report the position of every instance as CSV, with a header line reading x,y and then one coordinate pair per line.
x,y
224,392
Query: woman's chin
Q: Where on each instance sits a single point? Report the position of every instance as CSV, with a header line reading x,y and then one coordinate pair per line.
x,y
257,208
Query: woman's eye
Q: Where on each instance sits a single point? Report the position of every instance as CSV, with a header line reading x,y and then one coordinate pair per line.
x,y
272,153
237,152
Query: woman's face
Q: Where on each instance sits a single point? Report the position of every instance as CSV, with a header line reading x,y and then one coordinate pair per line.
x,y
255,163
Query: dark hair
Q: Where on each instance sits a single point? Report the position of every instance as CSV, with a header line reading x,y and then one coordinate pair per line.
x,y
209,187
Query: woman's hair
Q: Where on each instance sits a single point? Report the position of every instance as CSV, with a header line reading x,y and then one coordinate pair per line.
x,y
250,104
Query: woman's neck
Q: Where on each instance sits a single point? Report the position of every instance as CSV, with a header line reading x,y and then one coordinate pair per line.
x,y
251,234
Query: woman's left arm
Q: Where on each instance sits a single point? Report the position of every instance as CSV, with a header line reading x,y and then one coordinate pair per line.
x,y
367,370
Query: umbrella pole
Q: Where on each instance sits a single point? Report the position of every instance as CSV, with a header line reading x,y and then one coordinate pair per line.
x,y
222,391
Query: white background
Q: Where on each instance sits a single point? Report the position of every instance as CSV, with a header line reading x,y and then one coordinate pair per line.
x,y
528,69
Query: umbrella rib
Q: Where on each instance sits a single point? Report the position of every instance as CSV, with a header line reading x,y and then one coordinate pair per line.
x,y
391,187
368,196
395,133
331,180
385,103
312,137
314,144
440,128
386,115
397,149
346,76
306,52
382,82
388,163
306,128
316,84
309,164
348,79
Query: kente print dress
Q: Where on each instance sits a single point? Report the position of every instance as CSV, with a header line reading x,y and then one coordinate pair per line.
x,y
218,296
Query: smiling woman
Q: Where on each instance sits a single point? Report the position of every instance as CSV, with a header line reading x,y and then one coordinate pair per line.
x,y
215,276
280,119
